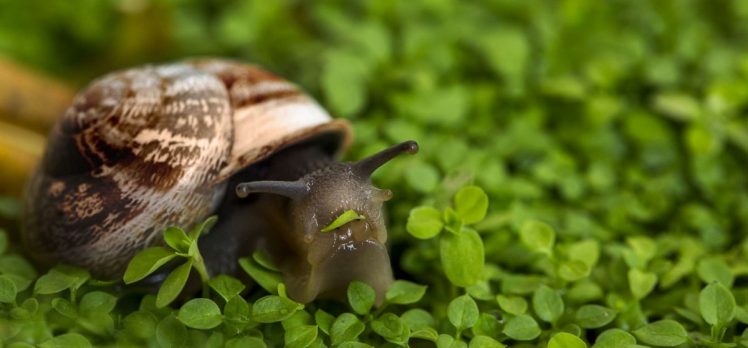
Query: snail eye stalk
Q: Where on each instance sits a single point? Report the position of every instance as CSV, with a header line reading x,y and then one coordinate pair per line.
x,y
368,165
290,189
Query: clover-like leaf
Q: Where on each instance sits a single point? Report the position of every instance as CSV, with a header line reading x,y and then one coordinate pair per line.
x,y
146,262
424,222
346,328
404,292
177,239
471,204
717,304
173,284
361,297
462,257
274,308
227,287
566,340
538,236
663,333
200,313
463,312
342,219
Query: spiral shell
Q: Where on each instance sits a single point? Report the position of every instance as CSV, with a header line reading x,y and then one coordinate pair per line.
x,y
150,147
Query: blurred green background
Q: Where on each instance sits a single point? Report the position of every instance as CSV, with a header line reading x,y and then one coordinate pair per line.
x,y
600,117
606,119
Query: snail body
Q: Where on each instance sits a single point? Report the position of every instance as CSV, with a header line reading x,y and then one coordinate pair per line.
x,y
157,146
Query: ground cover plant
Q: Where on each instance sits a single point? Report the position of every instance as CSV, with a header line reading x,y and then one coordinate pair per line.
x,y
582,177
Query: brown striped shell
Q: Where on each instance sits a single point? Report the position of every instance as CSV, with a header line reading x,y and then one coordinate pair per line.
x,y
150,147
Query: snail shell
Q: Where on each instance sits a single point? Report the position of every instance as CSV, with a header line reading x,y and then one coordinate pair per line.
x,y
151,147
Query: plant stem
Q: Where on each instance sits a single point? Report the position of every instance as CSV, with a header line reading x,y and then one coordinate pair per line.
x,y
199,265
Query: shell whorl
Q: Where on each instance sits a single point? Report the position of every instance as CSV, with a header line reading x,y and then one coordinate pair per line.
x,y
146,148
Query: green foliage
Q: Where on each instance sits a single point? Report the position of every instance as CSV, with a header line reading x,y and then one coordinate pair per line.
x,y
663,333
183,246
361,297
609,139
461,249
566,340
344,218
547,304
200,313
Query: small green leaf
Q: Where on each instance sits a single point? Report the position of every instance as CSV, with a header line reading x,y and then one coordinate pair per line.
x,y
146,262
203,228
522,328
426,333
663,333
485,342
594,316
346,328
566,340
236,311
447,341
170,332
344,218
573,270
512,304
471,204
587,251
272,308
643,250
481,291
200,313
177,239
68,340
715,269
405,292
18,270
391,328
614,338
343,82
417,319
300,336
717,304
463,312
8,290
324,320
462,256
424,222
487,325
97,301
547,304
53,282
297,319
538,236
422,176
641,283
173,285
264,260
361,297
227,287
64,307
267,279
141,324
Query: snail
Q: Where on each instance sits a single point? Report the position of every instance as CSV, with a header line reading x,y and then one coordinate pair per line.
x,y
169,145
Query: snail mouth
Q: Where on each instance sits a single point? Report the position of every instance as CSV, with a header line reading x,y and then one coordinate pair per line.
x,y
366,261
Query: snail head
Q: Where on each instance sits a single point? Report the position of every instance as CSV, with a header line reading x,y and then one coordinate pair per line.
x,y
336,251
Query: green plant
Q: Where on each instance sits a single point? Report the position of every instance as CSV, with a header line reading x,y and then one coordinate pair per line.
x,y
181,245
610,139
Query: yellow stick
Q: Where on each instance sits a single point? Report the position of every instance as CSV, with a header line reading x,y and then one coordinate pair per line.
x,y
30,99
20,150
